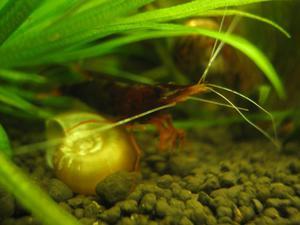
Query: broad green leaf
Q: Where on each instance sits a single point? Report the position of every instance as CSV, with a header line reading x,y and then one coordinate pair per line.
x,y
5,147
31,196
13,14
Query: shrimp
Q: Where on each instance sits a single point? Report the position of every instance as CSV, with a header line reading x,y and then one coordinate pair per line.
x,y
137,102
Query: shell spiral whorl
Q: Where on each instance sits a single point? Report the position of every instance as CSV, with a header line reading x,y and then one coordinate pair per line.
x,y
82,160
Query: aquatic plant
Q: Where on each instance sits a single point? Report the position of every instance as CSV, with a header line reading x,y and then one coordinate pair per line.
x,y
36,34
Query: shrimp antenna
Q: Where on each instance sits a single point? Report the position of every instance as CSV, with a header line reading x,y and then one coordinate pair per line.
x,y
273,140
216,49
52,143
215,103
250,100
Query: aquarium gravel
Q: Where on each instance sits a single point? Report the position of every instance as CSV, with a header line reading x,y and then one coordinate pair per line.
x,y
208,181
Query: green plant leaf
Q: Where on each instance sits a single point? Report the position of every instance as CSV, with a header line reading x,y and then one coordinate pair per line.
x,y
72,31
44,15
32,197
10,98
94,23
13,14
21,77
4,143
185,10
229,12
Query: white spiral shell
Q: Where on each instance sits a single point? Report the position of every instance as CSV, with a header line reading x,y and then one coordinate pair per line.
x,y
86,156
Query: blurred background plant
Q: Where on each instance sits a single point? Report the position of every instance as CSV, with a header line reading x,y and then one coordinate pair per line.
x,y
42,43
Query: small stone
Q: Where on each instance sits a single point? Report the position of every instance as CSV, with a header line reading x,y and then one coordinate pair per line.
x,y
136,195
279,190
247,213
271,213
65,206
126,221
198,215
211,220
291,211
92,210
165,181
245,167
142,219
205,199
115,187
225,220
290,180
295,201
184,195
223,211
160,167
87,221
76,201
225,166
182,165
237,215
244,199
263,191
212,183
177,204
294,167
194,183
162,208
59,191
227,179
295,219
148,202
78,213
111,215
278,203
258,206
129,206
185,221
221,200
297,189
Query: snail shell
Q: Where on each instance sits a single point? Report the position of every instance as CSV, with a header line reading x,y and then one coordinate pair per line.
x,y
82,161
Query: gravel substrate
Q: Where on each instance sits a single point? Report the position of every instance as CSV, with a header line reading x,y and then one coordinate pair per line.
x,y
208,182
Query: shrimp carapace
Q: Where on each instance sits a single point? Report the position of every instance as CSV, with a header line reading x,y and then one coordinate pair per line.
x,y
122,100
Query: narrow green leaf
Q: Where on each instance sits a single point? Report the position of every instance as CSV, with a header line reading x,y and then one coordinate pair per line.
x,y
13,14
32,197
264,93
11,111
44,16
185,10
229,12
4,143
81,28
21,77
10,98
